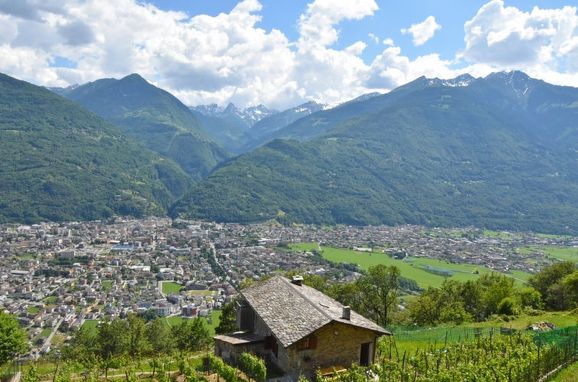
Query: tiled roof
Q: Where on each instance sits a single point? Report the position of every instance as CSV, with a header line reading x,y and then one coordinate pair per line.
x,y
293,312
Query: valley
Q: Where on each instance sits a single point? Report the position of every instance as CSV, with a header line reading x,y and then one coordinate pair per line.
x,y
58,277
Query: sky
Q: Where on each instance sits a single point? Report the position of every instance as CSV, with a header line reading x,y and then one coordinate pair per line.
x,y
283,53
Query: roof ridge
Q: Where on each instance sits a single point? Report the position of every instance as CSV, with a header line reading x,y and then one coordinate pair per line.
x,y
306,299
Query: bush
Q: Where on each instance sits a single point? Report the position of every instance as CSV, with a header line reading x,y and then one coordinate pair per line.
x,y
507,306
253,366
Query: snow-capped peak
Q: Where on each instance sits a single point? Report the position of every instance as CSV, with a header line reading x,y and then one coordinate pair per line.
x,y
460,81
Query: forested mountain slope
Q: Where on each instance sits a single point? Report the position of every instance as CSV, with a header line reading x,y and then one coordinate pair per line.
x,y
498,152
61,162
154,118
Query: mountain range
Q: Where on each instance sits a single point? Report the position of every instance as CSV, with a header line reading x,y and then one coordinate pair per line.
x,y
154,118
241,130
499,152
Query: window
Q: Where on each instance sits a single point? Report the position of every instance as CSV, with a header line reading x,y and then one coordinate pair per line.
x,y
307,343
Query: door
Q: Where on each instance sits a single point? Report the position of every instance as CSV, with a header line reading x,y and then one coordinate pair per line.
x,y
365,354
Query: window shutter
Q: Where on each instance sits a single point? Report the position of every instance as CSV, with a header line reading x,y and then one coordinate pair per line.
x,y
312,342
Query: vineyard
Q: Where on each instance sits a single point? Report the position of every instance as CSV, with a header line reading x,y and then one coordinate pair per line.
x,y
515,357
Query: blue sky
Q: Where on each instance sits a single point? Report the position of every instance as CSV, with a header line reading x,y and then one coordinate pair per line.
x,y
282,53
387,22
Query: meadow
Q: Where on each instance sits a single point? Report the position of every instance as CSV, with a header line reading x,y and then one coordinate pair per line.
x,y
558,253
426,272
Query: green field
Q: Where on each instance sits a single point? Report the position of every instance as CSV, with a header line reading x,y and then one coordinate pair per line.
x,y
426,272
171,287
106,285
33,309
50,300
46,332
570,374
508,236
412,340
90,325
559,253
200,292
213,320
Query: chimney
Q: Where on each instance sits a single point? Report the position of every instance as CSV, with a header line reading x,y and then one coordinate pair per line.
x,y
297,280
346,313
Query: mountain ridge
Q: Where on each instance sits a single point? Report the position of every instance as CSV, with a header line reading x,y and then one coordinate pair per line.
x,y
62,162
428,153
153,117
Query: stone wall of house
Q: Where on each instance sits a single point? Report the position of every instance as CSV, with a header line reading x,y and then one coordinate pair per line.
x,y
336,344
230,353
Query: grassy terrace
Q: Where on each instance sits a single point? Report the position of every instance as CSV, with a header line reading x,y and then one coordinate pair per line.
x,y
427,272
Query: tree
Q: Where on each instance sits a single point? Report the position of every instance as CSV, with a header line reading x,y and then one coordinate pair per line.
x,y
495,288
425,309
138,343
378,291
13,340
228,322
159,337
31,375
191,335
112,340
530,298
545,280
471,294
200,335
83,348
570,282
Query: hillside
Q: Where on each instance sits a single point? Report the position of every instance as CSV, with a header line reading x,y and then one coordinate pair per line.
x,y
61,162
154,118
496,152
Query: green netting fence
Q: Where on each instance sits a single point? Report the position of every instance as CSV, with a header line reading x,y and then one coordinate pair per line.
x,y
557,348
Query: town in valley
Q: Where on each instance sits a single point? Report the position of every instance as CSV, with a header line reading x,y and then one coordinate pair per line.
x,y
56,277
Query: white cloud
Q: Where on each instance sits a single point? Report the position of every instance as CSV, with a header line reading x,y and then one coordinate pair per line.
x,y
388,42
508,37
391,69
373,38
229,58
423,31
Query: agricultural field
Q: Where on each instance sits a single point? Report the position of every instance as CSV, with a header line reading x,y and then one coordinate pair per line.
x,y
426,272
411,340
171,287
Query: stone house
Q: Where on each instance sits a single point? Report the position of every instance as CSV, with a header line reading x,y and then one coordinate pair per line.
x,y
299,329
